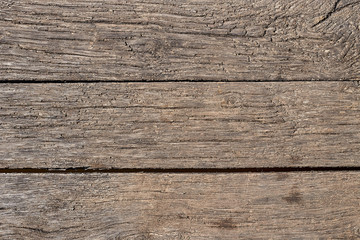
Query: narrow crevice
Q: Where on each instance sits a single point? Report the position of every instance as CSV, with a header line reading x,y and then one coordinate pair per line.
x,y
83,170
333,10
165,81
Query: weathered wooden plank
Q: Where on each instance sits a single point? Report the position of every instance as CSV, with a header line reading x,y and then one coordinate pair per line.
x,y
177,125
313,205
171,40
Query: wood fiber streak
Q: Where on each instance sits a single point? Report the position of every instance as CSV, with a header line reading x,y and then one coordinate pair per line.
x,y
179,40
180,125
312,205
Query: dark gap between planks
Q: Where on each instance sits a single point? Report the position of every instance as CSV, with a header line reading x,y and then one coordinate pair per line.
x,y
165,81
179,170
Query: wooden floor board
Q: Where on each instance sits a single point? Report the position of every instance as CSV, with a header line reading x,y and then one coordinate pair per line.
x,y
180,125
153,119
308,205
179,40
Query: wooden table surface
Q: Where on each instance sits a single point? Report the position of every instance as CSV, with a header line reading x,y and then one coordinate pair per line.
x,y
191,119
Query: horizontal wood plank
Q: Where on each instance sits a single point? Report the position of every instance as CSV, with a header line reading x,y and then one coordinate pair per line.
x,y
180,125
312,205
179,40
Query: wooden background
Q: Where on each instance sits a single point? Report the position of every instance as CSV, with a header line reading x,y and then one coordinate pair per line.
x,y
191,119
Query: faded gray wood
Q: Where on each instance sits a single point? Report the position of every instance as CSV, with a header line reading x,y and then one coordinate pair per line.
x,y
172,40
180,125
313,205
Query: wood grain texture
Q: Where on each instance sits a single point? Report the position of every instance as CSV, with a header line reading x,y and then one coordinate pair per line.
x,y
179,40
180,125
313,205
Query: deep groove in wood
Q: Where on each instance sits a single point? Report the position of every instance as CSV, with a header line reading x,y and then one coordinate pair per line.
x,y
83,170
166,81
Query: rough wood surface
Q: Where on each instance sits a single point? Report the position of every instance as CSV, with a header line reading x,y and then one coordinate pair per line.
x,y
312,205
171,40
180,125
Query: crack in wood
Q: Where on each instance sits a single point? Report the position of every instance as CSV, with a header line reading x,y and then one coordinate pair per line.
x,y
332,11
81,170
65,81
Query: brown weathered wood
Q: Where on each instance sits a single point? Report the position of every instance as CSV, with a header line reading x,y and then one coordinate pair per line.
x,y
313,205
171,40
180,125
